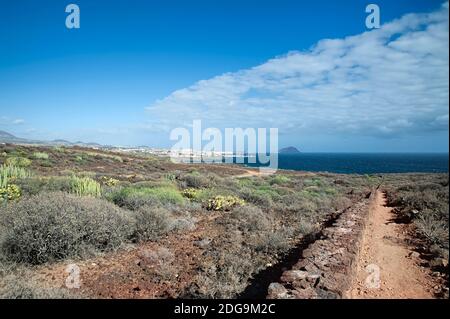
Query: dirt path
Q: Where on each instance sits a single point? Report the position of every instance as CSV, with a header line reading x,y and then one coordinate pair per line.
x,y
249,173
384,249
258,172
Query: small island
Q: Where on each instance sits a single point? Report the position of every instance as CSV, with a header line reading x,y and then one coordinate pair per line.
x,y
289,150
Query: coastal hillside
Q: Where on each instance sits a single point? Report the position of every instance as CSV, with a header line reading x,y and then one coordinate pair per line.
x,y
140,226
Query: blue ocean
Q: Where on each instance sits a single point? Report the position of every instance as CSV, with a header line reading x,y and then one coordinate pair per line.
x,y
363,163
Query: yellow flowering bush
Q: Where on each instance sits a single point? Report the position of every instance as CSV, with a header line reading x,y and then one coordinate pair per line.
x,y
190,193
109,181
9,193
224,203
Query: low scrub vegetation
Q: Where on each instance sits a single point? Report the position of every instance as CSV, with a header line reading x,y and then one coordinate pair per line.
x,y
18,161
54,226
424,201
18,287
35,185
136,196
41,155
204,226
195,180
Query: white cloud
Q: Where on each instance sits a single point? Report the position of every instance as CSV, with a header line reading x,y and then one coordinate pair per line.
x,y
385,82
18,121
7,121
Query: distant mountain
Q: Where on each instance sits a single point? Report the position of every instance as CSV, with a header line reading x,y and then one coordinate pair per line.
x,y
289,150
6,137
61,142
90,144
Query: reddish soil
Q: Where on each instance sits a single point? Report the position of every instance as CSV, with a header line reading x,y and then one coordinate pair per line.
x,y
151,270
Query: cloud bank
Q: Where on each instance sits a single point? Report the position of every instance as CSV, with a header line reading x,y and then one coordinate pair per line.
x,y
388,82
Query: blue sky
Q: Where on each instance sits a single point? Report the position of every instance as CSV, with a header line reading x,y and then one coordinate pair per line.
x,y
131,72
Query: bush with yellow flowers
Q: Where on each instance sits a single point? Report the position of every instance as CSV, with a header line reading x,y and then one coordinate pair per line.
x,y
109,181
9,193
224,203
190,193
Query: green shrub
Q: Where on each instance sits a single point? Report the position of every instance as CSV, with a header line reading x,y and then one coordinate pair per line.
x,y
259,198
59,149
54,226
18,161
279,180
79,158
246,181
46,163
41,155
262,195
85,186
134,197
311,192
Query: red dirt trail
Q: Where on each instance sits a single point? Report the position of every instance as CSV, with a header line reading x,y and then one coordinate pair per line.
x,y
384,248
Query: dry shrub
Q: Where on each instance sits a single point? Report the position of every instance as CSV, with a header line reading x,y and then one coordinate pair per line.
x,y
275,242
223,277
195,181
15,287
250,219
151,223
435,230
54,226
